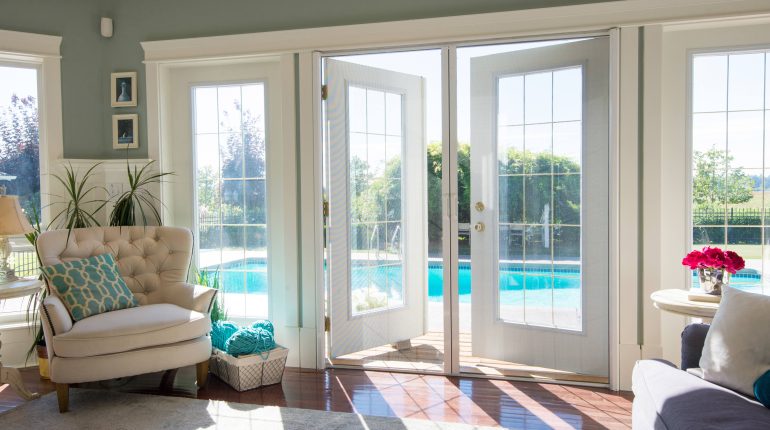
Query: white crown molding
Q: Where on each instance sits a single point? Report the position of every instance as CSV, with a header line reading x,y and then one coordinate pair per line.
x,y
29,44
530,22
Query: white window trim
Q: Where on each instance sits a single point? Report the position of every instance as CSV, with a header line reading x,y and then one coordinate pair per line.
x,y
668,197
626,310
42,52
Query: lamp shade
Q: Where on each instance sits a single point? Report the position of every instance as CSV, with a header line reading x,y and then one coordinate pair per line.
x,y
12,219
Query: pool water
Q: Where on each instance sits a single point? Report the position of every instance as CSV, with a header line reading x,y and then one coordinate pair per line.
x,y
250,276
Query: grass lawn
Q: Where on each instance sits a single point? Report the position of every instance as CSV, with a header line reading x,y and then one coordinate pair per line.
x,y
748,252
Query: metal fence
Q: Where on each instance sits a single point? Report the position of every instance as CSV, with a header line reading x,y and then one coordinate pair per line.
x,y
24,263
731,216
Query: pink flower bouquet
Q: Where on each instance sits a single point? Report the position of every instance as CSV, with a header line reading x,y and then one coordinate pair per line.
x,y
711,264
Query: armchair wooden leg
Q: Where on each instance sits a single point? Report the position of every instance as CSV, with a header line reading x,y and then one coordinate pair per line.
x,y
63,394
202,371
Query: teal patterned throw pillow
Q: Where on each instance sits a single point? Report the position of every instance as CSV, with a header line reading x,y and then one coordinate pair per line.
x,y
90,286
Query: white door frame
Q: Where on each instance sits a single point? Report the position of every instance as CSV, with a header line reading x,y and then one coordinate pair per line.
x,y
450,195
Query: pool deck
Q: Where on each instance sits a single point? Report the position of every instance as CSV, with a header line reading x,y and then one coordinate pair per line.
x,y
426,354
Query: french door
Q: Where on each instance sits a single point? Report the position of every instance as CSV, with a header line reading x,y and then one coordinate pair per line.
x,y
539,188
377,251
529,133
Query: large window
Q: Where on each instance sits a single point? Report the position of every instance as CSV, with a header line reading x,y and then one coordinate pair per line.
x,y
730,122
19,158
229,123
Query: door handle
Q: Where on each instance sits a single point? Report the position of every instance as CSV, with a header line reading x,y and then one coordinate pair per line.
x,y
479,227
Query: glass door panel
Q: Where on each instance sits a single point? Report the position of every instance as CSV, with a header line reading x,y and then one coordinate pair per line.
x,y
383,178
229,134
537,127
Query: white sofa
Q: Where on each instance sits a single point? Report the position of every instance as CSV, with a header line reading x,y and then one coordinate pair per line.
x,y
168,330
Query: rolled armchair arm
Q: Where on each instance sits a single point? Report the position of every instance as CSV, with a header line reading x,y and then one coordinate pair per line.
x,y
693,338
190,296
54,318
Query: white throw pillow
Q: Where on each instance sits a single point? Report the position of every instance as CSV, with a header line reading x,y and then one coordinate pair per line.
x,y
737,347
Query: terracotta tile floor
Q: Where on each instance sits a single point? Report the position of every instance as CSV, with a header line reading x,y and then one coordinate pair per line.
x,y
521,405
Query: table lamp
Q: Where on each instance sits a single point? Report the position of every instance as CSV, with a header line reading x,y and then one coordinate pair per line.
x,y
13,222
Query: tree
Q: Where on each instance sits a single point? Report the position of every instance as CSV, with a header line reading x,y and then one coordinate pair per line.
x,y
20,149
715,183
237,190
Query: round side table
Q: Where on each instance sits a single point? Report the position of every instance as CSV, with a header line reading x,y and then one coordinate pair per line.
x,y
678,302
9,375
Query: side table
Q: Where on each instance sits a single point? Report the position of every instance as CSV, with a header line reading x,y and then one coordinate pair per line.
x,y
9,375
678,302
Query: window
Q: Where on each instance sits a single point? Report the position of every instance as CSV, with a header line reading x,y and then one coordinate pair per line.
x,y
229,131
19,159
730,119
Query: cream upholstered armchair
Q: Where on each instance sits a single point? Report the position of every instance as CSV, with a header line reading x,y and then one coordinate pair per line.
x,y
168,330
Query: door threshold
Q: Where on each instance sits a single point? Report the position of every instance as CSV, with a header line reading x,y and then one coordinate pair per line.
x,y
472,372
532,374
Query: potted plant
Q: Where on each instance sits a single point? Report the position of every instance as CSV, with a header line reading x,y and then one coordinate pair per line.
x,y
210,279
714,267
75,213
78,196
137,198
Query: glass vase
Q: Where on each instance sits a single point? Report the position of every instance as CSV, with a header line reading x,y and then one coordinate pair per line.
x,y
711,280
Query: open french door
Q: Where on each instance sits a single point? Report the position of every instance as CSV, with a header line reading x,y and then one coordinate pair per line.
x,y
377,217
539,197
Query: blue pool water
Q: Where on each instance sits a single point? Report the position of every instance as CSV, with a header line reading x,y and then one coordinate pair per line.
x,y
250,276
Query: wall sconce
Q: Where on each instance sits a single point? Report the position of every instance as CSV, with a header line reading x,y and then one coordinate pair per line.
x,y
106,27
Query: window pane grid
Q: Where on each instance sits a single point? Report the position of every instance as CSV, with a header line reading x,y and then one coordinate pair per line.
x,y
231,193
729,129
375,146
539,145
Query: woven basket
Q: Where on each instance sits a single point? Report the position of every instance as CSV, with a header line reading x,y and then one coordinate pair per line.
x,y
249,371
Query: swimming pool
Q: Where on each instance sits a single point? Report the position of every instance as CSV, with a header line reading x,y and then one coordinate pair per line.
x,y
250,276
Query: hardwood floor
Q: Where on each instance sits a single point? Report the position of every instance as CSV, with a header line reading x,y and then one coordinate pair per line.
x,y
522,405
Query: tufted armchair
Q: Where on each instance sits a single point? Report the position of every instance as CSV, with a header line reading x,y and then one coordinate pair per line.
x,y
167,331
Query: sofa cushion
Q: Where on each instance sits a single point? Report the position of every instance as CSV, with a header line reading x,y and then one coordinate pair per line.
x,y
668,398
90,286
130,329
736,352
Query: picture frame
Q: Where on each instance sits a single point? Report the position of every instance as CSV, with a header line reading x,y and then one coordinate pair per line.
x,y
123,89
125,131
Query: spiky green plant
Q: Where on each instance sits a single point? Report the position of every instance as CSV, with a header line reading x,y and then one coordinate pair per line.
x,y
79,197
137,197
32,314
210,279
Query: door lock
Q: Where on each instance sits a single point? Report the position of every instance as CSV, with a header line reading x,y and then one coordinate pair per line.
x,y
479,206
479,227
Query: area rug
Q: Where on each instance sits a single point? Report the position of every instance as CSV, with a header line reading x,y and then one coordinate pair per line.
x,y
101,409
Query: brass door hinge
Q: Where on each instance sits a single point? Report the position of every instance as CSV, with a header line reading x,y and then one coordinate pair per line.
x,y
326,209
324,92
327,324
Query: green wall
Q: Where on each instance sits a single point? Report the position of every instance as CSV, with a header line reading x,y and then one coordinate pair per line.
x,y
88,59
